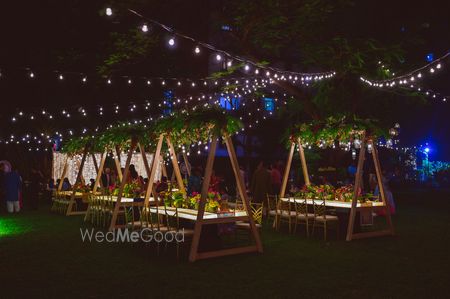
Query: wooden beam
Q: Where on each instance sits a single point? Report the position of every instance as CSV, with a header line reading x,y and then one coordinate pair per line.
x,y
64,172
176,167
155,164
186,162
144,159
201,208
376,162
301,152
358,178
243,192
287,170
98,179
79,176
122,184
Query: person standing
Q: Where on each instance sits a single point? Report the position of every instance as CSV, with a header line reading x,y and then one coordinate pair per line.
x,y
195,181
107,180
275,175
261,183
11,185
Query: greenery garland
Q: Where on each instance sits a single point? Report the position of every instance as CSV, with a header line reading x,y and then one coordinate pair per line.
x,y
325,133
183,128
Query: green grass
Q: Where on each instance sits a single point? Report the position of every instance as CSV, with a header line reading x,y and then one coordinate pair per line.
x,y
41,254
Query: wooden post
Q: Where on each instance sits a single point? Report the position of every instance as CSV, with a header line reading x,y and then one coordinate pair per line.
x,y
144,159
358,178
100,171
242,191
153,171
176,167
64,172
287,170
186,162
303,160
376,162
202,203
117,162
122,184
79,175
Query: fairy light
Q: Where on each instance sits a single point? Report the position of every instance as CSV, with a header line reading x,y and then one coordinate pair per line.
x,y
197,50
171,42
108,11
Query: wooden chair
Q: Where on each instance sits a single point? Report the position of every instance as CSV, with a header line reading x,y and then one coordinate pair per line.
x,y
285,213
271,207
173,228
257,214
302,217
321,218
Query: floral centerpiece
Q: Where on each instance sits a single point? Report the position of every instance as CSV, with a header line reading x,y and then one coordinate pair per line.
x,y
175,199
344,193
131,190
316,192
213,201
81,188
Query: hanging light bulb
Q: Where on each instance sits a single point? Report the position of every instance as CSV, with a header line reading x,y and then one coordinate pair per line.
x,y
109,81
218,57
246,67
171,41
197,50
61,77
84,79
108,11
229,63
31,75
144,28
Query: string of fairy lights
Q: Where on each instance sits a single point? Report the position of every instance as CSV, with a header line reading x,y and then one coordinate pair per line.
x,y
220,55
257,76
41,139
412,79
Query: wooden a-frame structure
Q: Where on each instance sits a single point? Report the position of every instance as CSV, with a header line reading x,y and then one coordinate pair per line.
x,y
151,173
358,184
194,253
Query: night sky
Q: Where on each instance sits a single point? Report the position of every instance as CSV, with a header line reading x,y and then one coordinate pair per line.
x,y
42,35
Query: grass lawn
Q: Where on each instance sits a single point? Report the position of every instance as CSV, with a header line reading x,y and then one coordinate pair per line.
x,y
41,254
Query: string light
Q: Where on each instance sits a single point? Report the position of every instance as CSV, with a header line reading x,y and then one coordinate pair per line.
x,y
197,50
108,11
144,28
171,41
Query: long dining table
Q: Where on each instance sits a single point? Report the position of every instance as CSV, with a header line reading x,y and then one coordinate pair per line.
x,y
335,203
208,217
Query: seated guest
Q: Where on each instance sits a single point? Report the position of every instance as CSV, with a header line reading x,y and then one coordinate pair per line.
x,y
92,183
66,186
162,186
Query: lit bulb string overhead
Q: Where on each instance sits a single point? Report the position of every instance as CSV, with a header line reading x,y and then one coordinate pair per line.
x,y
130,80
204,100
246,86
222,54
411,77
